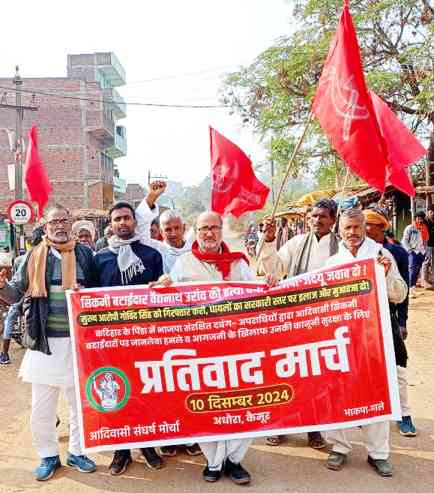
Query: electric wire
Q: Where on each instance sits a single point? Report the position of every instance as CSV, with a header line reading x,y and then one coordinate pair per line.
x,y
127,103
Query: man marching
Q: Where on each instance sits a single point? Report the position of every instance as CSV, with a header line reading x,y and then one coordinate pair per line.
x,y
58,263
302,253
355,245
172,227
211,260
125,262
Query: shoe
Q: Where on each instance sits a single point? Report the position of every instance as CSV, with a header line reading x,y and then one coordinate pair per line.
x,y
381,466
4,359
406,427
211,476
336,461
121,460
151,458
80,462
193,449
237,473
168,451
427,285
315,440
47,468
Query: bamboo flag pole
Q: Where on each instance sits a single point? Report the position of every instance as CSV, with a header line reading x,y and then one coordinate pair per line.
x,y
344,186
285,177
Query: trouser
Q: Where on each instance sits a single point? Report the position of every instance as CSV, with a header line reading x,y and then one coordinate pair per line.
x,y
43,420
217,452
11,319
415,261
375,436
403,394
427,265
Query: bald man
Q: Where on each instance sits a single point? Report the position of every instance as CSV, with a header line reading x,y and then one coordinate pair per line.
x,y
211,260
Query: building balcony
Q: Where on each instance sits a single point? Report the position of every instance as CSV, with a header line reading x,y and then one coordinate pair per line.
x,y
101,126
117,103
104,68
119,147
112,69
119,186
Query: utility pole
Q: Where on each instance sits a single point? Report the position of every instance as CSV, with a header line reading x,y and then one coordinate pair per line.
x,y
18,147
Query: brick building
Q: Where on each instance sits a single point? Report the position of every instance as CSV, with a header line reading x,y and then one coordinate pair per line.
x,y
134,194
79,136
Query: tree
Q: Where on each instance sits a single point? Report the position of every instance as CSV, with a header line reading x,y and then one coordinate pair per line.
x,y
275,92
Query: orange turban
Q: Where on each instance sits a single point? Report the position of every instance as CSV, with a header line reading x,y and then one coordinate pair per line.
x,y
373,217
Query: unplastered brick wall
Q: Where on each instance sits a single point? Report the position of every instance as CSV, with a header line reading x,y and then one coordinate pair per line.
x,y
70,153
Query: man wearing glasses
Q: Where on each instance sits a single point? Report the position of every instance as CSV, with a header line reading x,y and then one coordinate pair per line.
x,y
58,263
211,260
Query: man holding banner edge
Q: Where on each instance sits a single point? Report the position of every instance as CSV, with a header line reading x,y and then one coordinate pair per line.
x,y
356,245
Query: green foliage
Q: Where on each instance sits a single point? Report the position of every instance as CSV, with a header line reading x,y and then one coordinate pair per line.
x,y
273,95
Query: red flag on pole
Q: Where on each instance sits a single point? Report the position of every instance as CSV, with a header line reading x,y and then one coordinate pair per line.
x,y
35,176
234,186
344,108
403,148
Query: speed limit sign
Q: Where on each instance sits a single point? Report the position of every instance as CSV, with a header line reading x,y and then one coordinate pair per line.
x,y
20,212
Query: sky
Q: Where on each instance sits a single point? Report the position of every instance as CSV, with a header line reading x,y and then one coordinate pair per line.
x,y
173,52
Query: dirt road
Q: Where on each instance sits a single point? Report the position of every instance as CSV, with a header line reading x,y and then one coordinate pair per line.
x,y
291,467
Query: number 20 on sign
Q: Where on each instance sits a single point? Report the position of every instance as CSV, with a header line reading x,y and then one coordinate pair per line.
x,y
20,212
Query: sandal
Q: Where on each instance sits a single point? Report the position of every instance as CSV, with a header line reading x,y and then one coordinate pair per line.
x,y
316,441
273,441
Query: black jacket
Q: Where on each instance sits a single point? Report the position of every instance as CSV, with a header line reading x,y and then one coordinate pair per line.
x,y
37,314
399,312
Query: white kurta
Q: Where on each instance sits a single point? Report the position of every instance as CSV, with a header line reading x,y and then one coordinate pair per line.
x,y
55,369
189,269
376,435
170,254
279,262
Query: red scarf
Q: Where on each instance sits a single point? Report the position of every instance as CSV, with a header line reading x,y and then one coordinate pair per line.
x,y
423,230
222,260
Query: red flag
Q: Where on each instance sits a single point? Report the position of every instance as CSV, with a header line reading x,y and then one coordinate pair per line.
x,y
235,188
344,108
35,175
403,148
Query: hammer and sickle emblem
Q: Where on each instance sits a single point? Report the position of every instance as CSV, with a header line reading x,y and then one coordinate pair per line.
x,y
223,177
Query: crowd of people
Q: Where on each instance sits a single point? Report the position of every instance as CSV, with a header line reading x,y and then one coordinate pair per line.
x,y
133,251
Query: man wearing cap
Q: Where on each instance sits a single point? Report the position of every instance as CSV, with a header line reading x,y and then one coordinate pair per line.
x,y
302,253
355,245
376,224
84,232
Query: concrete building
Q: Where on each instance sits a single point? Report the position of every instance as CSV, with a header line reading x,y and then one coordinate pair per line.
x,y
79,134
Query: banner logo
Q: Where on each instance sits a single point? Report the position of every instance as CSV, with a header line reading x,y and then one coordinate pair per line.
x,y
108,389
